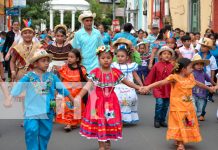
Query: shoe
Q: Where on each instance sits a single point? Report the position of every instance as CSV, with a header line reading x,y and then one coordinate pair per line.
x,y
201,118
157,124
211,100
163,124
67,128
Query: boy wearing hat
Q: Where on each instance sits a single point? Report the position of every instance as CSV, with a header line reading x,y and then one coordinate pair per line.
x,y
200,75
160,71
206,46
40,87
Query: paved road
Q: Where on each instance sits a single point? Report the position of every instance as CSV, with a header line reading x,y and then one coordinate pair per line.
x,y
140,137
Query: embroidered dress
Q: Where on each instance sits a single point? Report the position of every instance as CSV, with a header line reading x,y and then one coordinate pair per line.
x,y
102,116
72,81
183,122
127,96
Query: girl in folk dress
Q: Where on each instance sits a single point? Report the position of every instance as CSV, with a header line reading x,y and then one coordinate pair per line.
x,y
183,123
72,75
102,116
127,96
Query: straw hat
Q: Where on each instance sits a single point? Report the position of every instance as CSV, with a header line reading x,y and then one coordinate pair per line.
x,y
86,14
207,42
166,48
60,26
122,41
41,53
197,59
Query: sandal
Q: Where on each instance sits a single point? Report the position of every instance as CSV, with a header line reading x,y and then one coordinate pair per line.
x,y
67,128
181,147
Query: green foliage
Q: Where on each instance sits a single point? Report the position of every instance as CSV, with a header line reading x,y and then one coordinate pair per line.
x,y
36,10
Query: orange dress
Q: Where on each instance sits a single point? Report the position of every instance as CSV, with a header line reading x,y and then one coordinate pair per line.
x,y
182,122
72,81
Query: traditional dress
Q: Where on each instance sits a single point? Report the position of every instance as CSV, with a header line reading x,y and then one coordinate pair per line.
x,y
60,55
22,56
127,96
38,115
102,116
72,81
183,122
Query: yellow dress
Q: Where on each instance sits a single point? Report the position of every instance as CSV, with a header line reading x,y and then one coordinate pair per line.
x,y
182,122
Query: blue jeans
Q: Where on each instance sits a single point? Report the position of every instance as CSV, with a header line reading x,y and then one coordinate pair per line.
x,y
161,109
199,103
38,132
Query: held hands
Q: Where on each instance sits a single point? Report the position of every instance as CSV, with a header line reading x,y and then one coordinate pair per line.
x,y
144,89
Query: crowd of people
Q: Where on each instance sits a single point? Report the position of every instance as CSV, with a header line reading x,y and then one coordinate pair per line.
x,y
179,67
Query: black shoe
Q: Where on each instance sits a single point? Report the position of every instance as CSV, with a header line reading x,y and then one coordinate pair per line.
x,y
157,124
211,100
163,124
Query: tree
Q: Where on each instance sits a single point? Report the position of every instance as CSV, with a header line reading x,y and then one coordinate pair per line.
x,y
36,10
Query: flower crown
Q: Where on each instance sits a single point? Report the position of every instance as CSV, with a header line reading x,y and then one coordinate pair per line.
x,y
104,49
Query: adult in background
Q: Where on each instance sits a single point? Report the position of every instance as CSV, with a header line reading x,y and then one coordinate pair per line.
x,y
87,40
11,36
105,36
126,34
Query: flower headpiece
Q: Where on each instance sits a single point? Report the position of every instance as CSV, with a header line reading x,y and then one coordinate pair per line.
x,y
104,49
176,67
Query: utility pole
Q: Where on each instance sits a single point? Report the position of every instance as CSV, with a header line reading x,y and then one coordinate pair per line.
x,y
125,11
5,15
113,1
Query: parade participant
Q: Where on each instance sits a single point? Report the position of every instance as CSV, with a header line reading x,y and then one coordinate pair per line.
x,y
105,36
183,124
72,75
205,54
200,95
59,48
21,53
160,71
126,34
40,87
127,96
141,37
186,50
160,41
143,71
102,117
87,40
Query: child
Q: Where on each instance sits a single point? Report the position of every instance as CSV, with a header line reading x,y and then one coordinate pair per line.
x,y
127,96
201,76
72,75
206,46
102,117
160,71
182,124
40,87
145,57
186,50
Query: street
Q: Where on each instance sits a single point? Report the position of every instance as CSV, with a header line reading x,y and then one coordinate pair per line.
x,y
143,136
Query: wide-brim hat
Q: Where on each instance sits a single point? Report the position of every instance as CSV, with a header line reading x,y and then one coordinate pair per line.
x,y
40,53
207,42
27,28
166,48
86,14
128,43
60,26
197,59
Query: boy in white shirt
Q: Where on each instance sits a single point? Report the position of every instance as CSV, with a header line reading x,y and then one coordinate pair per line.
x,y
187,51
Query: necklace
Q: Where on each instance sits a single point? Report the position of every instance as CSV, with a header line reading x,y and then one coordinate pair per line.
x,y
106,92
59,48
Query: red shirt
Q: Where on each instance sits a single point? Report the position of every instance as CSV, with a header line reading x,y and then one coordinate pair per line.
x,y
160,71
